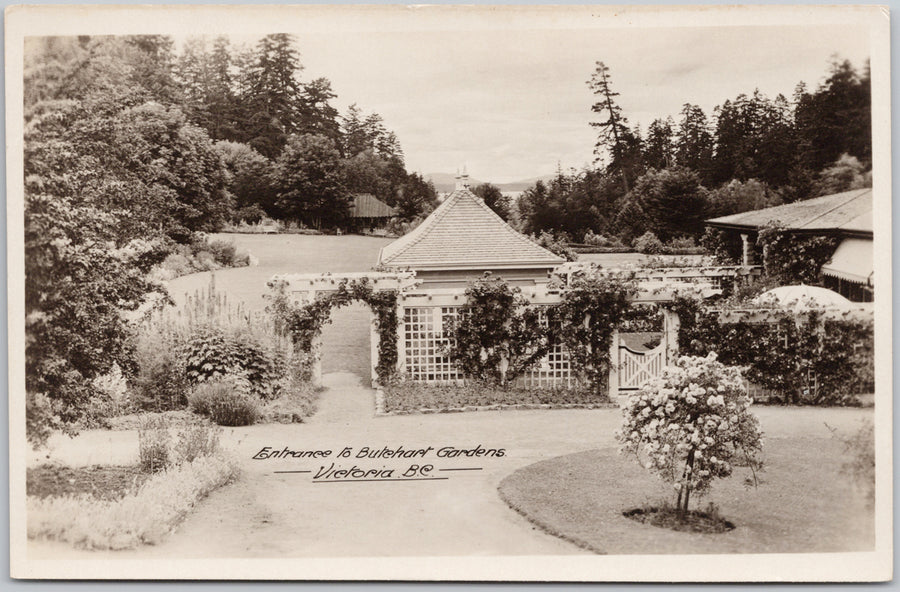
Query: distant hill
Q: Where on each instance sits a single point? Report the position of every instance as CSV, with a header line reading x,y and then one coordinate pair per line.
x,y
445,182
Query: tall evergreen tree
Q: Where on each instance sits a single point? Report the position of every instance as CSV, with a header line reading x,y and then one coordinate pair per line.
x,y
275,92
614,141
694,142
659,145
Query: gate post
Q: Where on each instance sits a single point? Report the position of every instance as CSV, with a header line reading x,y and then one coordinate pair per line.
x,y
401,344
613,387
374,343
671,326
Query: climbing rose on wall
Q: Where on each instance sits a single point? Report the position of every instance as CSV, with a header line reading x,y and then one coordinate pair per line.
x,y
689,426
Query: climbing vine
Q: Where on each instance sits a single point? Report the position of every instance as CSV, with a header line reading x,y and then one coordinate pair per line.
x,y
791,258
800,356
304,323
497,336
592,308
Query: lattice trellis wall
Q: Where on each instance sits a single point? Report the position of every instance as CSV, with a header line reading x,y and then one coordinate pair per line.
x,y
425,340
425,343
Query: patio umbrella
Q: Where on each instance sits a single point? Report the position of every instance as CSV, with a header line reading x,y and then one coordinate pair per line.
x,y
804,296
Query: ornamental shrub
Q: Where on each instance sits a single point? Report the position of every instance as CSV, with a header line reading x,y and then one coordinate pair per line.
x,y
556,244
649,244
211,353
153,444
690,426
793,259
225,403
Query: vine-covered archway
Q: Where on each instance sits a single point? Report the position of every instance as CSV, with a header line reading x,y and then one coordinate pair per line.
x,y
304,320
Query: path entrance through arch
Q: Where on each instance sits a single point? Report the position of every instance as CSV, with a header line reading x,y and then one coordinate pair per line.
x,y
345,342
346,367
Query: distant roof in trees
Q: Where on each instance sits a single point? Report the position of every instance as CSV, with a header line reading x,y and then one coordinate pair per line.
x,y
366,205
848,213
464,233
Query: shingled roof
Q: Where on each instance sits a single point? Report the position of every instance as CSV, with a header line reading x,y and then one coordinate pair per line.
x,y
464,233
366,205
848,213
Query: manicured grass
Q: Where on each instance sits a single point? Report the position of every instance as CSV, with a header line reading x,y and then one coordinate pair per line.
x,y
410,397
803,505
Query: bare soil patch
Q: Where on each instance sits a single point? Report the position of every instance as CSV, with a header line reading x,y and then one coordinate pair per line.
x,y
101,481
693,521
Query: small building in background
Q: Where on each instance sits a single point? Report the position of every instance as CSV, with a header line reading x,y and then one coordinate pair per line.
x,y
846,215
369,214
462,239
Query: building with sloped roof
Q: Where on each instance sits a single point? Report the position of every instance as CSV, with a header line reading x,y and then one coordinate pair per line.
x,y
369,212
846,215
462,239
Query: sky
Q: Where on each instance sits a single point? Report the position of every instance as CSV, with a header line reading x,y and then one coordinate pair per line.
x,y
513,104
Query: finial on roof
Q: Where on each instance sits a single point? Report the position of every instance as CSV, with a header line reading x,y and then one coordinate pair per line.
x,y
462,181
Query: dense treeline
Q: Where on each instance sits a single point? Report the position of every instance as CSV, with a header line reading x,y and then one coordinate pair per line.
x,y
752,152
132,148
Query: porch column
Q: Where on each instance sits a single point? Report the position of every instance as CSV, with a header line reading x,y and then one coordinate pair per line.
x,y
746,254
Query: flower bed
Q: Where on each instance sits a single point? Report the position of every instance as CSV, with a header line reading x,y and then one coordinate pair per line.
x,y
102,482
144,516
403,397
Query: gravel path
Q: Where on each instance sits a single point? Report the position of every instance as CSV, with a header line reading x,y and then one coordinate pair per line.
x,y
269,514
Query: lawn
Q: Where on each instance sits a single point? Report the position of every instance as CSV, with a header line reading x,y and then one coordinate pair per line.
x,y
803,505
345,342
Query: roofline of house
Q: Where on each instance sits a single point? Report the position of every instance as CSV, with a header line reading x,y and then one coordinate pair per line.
x,y
483,265
845,232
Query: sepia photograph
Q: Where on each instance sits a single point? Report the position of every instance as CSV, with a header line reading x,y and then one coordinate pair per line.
x,y
516,293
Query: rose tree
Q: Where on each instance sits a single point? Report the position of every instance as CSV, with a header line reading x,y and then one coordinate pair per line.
x,y
690,424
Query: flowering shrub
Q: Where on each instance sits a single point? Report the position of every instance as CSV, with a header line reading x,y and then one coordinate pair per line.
x,y
159,450
556,244
690,424
794,258
212,353
801,357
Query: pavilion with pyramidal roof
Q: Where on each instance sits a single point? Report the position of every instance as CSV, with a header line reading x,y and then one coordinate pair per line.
x,y
462,239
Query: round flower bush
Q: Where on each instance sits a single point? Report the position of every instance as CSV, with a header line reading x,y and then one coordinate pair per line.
x,y
691,424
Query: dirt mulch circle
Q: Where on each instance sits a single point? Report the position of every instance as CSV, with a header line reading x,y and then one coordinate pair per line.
x,y
693,521
101,481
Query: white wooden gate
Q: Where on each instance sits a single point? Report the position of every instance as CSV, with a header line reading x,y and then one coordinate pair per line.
x,y
635,367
